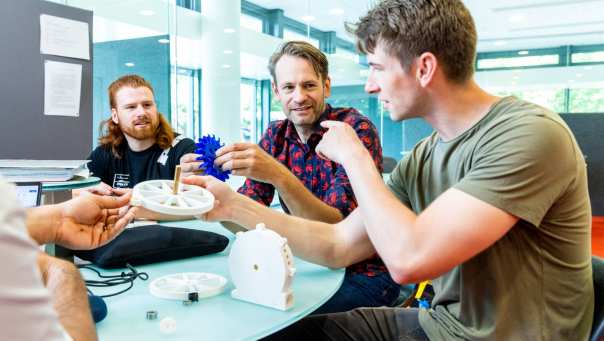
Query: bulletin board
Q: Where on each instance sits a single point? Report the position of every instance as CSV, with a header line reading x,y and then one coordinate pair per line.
x,y
25,131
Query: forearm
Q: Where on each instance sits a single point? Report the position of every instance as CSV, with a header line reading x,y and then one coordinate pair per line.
x,y
390,225
69,297
313,241
303,203
41,223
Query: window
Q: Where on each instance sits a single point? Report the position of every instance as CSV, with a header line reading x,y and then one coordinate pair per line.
x,y
552,99
511,62
248,110
276,109
588,57
586,100
251,22
293,35
185,94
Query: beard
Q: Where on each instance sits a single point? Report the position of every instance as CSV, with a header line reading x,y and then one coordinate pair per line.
x,y
140,133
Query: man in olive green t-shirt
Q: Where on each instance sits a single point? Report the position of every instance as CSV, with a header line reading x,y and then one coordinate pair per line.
x,y
493,207
524,160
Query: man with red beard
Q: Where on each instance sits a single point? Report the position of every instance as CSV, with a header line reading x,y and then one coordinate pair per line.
x,y
139,143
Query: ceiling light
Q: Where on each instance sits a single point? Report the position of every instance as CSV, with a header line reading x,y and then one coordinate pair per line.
x,y
129,64
588,68
146,12
336,11
579,75
308,18
515,77
225,66
163,41
227,51
500,43
229,30
523,52
516,18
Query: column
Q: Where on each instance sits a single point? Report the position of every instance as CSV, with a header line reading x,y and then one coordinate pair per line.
x,y
220,56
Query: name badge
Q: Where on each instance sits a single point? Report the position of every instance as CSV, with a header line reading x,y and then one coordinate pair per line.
x,y
121,180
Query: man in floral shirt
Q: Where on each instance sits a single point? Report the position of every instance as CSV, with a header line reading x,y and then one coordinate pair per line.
x,y
309,186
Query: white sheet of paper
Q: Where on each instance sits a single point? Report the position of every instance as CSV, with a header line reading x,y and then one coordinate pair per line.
x,y
64,37
62,87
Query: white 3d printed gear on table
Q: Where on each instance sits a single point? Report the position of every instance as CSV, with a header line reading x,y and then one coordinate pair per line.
x,y
261,263
262,268
158,196
181,285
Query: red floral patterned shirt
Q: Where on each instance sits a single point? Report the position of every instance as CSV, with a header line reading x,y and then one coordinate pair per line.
x,y
326,179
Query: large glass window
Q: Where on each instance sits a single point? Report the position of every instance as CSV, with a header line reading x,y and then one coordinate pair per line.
x,y
586,100
186,95
510,62
276,112
588,57
552,99
248,110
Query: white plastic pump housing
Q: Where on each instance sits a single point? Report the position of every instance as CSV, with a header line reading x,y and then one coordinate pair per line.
x,y
262,268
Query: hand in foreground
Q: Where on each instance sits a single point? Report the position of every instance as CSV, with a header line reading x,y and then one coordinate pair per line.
x,y
223,193
249,160
189,165
90,221
339,143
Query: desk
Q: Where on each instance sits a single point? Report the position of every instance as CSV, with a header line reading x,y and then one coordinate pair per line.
x,y
70,184
217,318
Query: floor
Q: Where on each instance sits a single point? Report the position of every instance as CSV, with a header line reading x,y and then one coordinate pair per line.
x,y
597,236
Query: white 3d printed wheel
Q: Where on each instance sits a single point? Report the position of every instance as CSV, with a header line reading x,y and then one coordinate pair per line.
x,y
157,196
179,286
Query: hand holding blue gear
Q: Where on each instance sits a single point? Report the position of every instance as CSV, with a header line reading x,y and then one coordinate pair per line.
x,y
207,147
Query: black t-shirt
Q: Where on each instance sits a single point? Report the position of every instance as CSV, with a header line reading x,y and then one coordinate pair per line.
x,y
135,167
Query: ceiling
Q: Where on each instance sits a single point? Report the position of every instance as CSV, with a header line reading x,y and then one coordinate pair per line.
x,y
502,25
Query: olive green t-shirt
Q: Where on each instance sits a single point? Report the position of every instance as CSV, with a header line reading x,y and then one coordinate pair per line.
x,y
535,283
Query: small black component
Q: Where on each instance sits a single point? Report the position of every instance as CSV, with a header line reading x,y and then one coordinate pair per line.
x,y
193,297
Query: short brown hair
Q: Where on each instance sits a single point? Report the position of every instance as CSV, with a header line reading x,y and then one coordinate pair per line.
x,y
408,28
111,133
304,50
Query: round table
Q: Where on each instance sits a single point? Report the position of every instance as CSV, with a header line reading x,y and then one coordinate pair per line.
x,y
217,318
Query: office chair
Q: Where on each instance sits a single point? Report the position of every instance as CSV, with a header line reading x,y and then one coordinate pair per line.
x,y
597,329
389,164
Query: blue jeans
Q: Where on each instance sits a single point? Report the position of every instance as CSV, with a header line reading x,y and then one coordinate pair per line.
x,y
360,290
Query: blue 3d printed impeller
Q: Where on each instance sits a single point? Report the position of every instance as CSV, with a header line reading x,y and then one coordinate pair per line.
x,y
207,147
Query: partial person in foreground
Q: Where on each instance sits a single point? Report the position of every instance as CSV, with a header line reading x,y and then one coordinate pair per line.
x,y
285,161
477,207
42,297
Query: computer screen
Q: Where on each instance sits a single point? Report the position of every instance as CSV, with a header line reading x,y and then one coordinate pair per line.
x,y
29,193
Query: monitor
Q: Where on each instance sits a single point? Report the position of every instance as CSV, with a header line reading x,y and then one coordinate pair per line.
x,y
29,193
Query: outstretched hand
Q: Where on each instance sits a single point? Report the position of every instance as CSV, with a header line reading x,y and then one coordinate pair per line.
x,y
249,160
90,221
224,195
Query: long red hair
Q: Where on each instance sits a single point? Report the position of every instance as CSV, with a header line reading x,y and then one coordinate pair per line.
x,y
111,133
